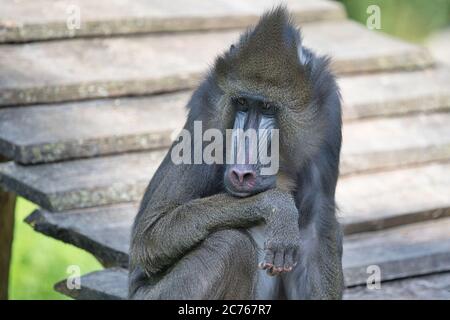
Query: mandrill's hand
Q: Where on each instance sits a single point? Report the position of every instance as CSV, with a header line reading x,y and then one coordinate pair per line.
x,y
282,246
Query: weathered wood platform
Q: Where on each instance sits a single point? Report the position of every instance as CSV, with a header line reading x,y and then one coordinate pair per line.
x,y
85,127
47,19
102,127
400,252
112,284
93,68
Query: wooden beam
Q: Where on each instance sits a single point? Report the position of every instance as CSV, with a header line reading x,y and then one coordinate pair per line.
x,y
110,126
7,206
63,74
112,284
27,21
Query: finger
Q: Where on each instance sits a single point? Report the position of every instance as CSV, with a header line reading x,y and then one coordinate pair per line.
x,y
288,260
264,266
278,261
268,259
267,245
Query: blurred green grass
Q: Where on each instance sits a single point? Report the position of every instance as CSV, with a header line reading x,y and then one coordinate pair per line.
x,y
412,20
38,262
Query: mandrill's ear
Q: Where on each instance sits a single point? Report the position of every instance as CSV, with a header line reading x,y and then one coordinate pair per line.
x,y
221,71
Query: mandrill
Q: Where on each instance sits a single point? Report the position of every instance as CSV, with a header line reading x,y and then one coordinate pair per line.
x,y
229,230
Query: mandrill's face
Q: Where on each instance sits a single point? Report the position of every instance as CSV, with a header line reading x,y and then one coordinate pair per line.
x,y
279,89
252,154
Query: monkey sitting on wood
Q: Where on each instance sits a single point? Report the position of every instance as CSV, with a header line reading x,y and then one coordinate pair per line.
x,y
203,229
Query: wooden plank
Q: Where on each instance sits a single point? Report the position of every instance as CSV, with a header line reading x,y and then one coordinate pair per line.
x,y
415,249
394,93
403,251
400,252
351,42
380,200
123,178
393,142
47,19
365,205
108,284
92,68
112,284
83,183
429,287
7,207
100,127
104,231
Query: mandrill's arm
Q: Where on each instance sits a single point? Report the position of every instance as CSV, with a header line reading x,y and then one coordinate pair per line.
x,y
318,274
173,219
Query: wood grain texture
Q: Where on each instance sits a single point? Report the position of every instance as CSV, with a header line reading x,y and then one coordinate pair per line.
x,y
395,142
93,68
92,128
366,203
429,287
384,199
46,133
400,252
109,284
415,249
112,284
83,183
380,144
103,231
394,93
47,19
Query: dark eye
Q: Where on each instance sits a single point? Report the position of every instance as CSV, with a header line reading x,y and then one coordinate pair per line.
x,y
241,104
268,108
242,101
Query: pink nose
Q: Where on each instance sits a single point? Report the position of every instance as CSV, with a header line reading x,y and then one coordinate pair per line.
x,y
243,176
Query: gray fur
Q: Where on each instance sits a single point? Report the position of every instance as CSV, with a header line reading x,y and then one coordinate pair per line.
x,y
194,240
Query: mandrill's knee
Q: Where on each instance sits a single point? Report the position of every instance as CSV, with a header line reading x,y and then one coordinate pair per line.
x,y
233,249
222,267
232,245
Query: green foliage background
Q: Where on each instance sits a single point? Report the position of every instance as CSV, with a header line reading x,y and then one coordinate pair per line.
x,y
38,262
412,20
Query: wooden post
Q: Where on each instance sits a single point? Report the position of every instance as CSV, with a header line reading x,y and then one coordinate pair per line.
x,y
7,206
